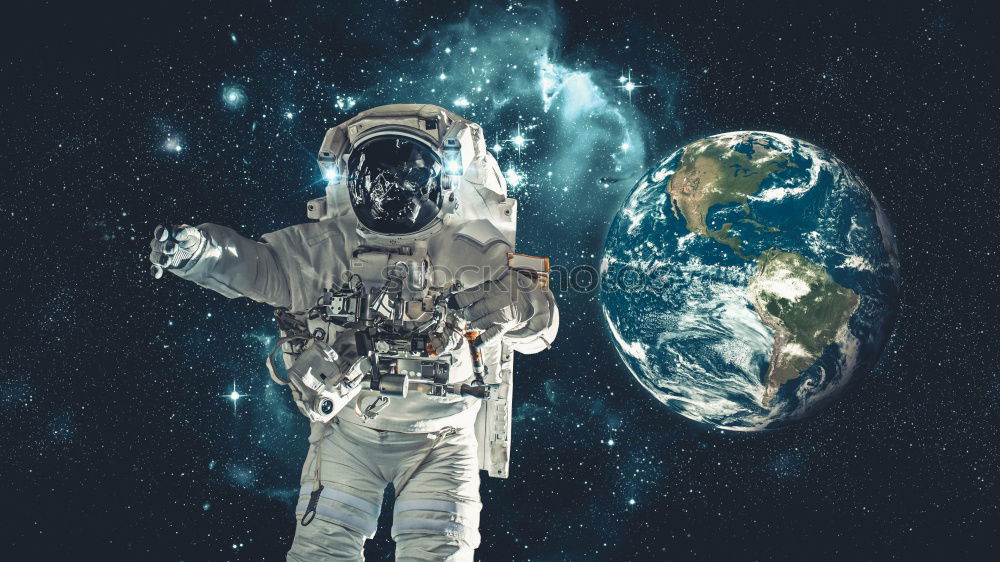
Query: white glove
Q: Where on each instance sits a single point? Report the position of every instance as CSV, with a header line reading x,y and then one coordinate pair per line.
x,y
173,247
498,306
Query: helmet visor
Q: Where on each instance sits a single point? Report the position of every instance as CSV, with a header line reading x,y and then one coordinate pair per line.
x,y
395,184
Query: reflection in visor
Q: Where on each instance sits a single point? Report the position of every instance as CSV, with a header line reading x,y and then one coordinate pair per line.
x,y
395,184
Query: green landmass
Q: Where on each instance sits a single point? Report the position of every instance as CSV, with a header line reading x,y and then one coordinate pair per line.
x,y
804,307
712,173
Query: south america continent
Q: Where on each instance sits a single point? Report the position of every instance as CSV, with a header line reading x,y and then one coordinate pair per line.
x,y
804,307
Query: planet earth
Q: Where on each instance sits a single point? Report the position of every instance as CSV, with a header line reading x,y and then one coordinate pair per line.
x,y
748,279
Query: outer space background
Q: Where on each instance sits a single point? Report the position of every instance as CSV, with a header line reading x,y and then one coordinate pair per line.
x,y
120,440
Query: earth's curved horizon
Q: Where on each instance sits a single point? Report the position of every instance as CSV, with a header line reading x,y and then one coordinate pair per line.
x,y
748,278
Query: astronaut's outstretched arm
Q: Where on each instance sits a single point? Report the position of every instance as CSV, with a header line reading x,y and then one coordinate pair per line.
x,y
218,258
517,307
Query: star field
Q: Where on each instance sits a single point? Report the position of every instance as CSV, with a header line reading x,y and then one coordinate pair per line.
x,y
141,422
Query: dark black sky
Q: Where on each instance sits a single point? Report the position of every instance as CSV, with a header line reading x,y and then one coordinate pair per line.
x,y
120,444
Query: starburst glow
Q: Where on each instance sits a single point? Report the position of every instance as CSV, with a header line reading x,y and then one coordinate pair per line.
x,y
234,396
173,144
628,85
514,178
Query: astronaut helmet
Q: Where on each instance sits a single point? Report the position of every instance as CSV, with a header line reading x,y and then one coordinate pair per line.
x,y
395,183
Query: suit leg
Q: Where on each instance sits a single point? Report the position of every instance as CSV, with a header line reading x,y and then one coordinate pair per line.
x,y
436,516
347,508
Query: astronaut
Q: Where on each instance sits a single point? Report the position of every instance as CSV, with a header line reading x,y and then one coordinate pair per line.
x,y
399,308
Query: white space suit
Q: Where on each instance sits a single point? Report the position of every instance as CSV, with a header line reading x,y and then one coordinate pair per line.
x,y
409,186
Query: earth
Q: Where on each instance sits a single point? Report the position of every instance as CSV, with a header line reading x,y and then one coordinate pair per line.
x,y
748,279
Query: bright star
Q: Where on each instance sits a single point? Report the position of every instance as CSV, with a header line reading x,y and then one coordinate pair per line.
x,y
234,396
627,84
461,102
519,140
